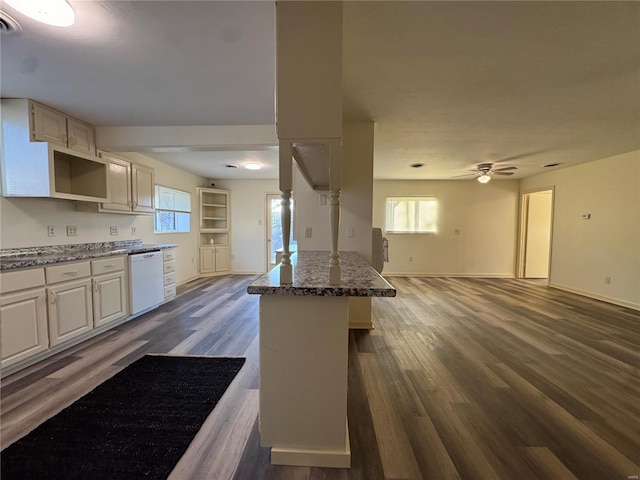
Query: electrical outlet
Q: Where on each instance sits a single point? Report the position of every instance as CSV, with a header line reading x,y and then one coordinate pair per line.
x,y
307,232
51,231
113,230
72,231
351,232
607,280
456,231
133,230
323,199
411,259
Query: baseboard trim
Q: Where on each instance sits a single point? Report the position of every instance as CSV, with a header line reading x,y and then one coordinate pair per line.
x,y
461,275
301,457
362,325
595,296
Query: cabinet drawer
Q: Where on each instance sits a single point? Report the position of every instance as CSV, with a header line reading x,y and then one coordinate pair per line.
x,y
169,291
169,267
14,281
169,254
169,279
107,265
68,271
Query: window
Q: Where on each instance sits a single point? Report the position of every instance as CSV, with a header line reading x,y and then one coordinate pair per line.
x,y
173,211
411,215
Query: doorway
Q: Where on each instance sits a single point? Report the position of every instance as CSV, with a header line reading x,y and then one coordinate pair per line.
x,y
274,229
534,259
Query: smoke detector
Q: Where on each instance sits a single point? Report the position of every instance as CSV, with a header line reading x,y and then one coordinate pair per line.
x,y
8,24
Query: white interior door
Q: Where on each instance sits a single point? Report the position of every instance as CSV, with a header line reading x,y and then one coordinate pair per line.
x,y
539,208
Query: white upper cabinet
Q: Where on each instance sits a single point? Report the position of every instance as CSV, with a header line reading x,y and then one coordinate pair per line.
x,y
37,161
142,188
48,125
131,188
119,183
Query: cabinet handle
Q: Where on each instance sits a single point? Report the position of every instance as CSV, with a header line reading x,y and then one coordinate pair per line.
x,y
53,298
64,138
72,272
96,286
110,265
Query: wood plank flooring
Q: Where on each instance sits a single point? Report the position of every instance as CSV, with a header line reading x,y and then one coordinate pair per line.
x,y
461,379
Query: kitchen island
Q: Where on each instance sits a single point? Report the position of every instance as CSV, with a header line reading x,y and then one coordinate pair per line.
x,y
303,357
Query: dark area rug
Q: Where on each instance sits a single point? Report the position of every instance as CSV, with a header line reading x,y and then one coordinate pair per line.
x,y
136,425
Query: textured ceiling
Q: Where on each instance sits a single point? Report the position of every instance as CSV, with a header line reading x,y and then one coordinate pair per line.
x,y
449,84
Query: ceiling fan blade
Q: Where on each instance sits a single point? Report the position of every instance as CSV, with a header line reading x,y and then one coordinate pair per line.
x,y
502,173
466,175
502,169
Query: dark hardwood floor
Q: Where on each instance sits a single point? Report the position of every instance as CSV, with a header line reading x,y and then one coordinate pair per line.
x,y
461,378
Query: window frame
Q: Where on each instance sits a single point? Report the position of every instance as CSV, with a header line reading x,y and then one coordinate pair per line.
x,y
389,219
174,211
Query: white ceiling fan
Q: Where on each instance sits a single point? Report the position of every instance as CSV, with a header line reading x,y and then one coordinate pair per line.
x,y
484,171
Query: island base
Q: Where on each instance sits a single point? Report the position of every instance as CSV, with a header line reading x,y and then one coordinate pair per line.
x,y
303,379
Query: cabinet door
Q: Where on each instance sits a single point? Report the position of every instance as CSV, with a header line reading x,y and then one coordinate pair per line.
x,y
23,325
109,298
119,184
208,260
49,125
142,189
81,136
70,310
222,259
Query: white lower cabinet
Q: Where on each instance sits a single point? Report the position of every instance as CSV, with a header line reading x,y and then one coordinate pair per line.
x,y
109,298
23,321
70,310
223,261
169,269
110,291
214,259
43,308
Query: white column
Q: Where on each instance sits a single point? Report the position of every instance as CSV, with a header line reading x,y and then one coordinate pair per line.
x,y
286,185
335,178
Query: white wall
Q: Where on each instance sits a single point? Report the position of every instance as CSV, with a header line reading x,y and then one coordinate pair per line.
x,y
584,252
24,221
248,222
485,215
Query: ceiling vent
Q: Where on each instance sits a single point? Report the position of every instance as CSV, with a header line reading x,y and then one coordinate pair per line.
x,y
8,24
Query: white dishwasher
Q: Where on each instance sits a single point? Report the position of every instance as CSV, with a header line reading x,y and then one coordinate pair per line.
x,y
146,280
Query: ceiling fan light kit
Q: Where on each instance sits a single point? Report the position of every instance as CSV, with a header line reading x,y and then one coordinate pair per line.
x,y
484,171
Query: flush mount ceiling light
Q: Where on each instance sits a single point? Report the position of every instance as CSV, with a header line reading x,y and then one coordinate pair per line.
x,y
252,166
484,178
52,12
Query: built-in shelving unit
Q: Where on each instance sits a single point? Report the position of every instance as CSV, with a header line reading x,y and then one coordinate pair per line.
x,y
215,230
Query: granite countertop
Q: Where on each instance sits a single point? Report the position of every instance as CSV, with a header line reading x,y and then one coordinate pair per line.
x,y
311,278
15,258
